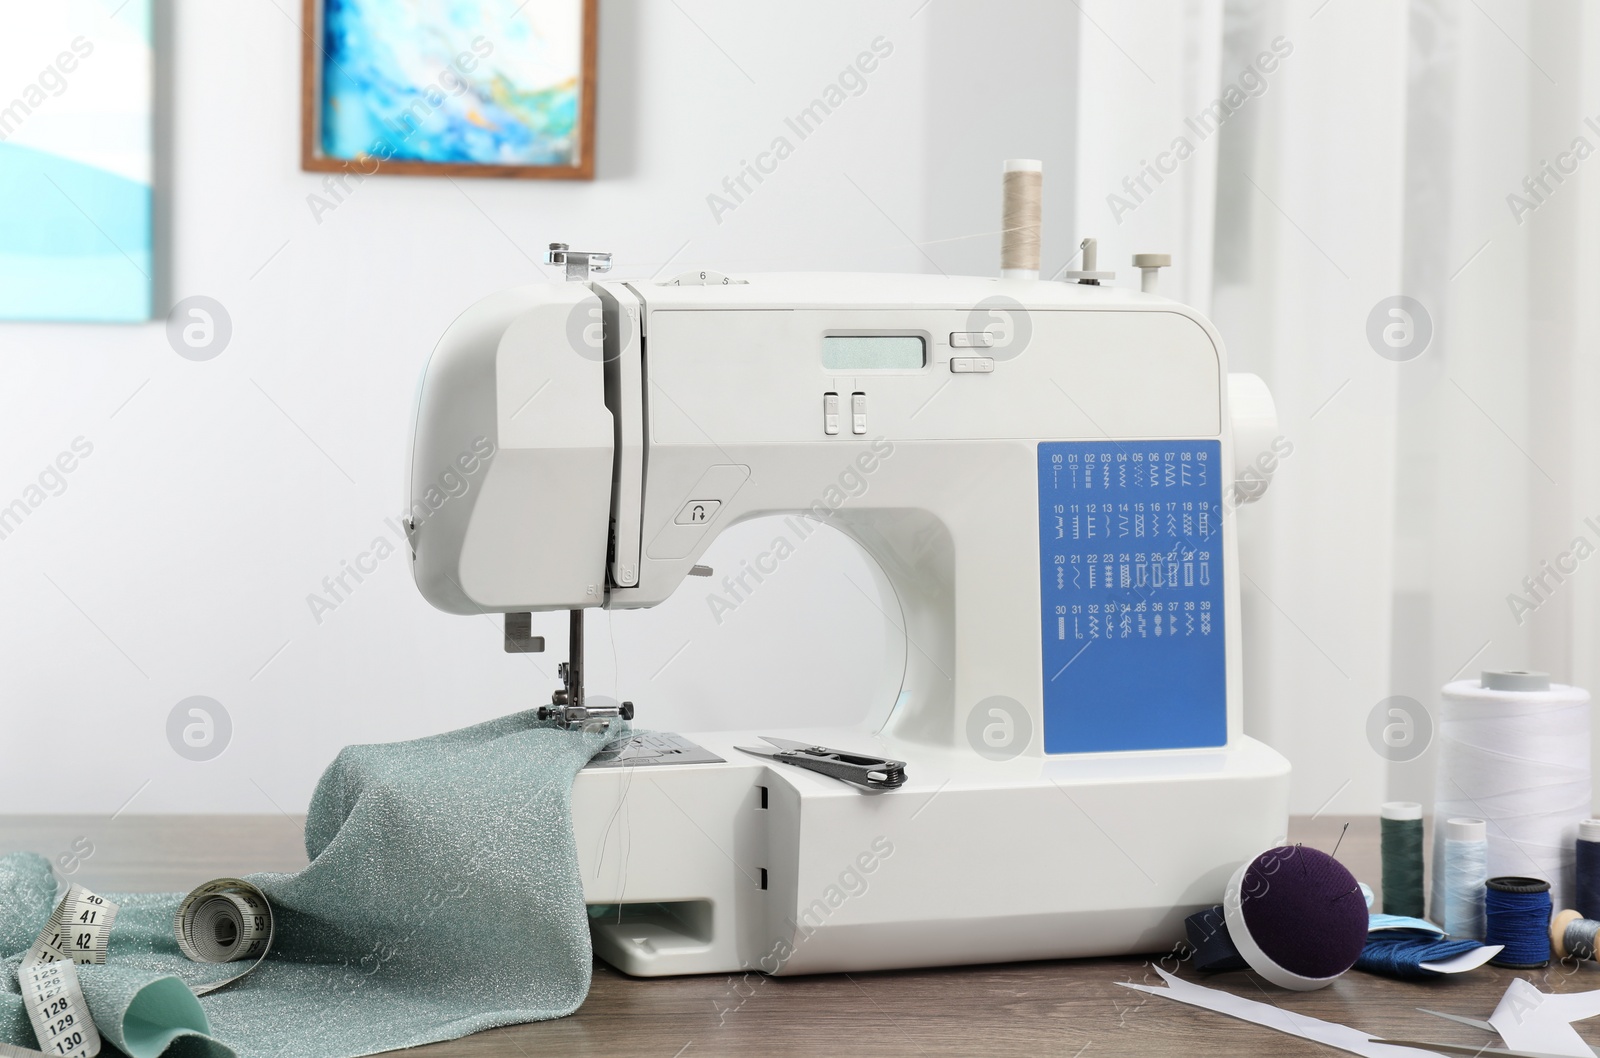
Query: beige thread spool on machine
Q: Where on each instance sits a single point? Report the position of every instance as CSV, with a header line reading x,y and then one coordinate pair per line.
x,y
1022,190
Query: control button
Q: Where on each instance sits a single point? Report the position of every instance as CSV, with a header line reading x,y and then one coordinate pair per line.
x,y
830,413
716,489
972,365
858,412
971,340
698,512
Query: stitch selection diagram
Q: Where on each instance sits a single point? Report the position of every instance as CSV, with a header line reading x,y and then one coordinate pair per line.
x,y
1130,550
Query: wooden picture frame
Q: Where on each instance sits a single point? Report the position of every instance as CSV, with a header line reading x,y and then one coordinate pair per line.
x,y
312,159
80,239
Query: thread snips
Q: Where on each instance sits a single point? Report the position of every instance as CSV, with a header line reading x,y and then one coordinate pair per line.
x,y
869,773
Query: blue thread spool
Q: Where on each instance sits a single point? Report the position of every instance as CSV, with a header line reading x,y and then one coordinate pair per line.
x,y
1517,916
1461,878
1588,902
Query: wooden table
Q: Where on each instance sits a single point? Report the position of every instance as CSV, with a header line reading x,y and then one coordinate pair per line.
x,y
1047,1008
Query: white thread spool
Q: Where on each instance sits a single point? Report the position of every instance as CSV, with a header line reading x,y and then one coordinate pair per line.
x,y
1021,194
1514,752
1459,878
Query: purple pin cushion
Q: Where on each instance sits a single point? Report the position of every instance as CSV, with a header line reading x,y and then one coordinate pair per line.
x,y
1297,916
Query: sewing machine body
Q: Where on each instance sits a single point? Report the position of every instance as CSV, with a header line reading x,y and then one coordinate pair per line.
x,y
1055,525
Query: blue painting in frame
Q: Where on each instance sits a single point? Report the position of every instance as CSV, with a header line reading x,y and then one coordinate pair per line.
x,y
75,162
450,87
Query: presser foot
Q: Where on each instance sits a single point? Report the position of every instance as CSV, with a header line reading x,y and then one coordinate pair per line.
x,y
585,717
569,705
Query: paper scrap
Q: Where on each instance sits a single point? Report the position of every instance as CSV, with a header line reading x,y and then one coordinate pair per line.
x,y
1268,1016
1531,1020
1470,960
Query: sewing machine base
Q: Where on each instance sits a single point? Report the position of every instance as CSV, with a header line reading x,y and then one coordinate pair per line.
x,y
750,865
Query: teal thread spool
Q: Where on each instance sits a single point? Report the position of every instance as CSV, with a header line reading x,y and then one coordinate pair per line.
x,y
1401,836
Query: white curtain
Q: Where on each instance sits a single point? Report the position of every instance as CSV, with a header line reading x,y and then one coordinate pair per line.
x,y
1376,159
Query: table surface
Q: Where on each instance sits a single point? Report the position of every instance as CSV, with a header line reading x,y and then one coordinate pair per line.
x,y
1043,1008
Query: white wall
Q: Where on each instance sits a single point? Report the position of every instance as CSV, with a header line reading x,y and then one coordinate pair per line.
x,y
1497,451
219,494
1309,224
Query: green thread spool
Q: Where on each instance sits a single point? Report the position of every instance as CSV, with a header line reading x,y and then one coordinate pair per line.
x,y
1401,835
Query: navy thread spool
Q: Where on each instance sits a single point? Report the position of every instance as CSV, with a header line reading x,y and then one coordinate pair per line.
x,y
1517,916
1401,840
1588,902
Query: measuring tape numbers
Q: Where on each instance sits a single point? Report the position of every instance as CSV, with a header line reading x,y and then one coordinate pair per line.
x,y
226,920
78,931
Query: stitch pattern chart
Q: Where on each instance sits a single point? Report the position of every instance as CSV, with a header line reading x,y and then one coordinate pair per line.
x,y
1130,591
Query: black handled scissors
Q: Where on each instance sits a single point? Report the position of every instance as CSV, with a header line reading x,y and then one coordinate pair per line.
x,y
871,773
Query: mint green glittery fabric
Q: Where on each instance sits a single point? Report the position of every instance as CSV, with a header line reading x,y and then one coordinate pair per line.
x,y
442,898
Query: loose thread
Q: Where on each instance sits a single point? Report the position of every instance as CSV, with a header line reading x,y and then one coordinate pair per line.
x,y
1401,953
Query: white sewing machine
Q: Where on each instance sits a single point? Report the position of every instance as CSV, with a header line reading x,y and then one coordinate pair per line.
x,y
1045,472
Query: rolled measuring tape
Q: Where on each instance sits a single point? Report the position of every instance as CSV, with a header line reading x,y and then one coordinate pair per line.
x,y
226,920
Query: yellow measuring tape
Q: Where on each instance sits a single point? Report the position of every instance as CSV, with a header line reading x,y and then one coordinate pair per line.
x,y
226,920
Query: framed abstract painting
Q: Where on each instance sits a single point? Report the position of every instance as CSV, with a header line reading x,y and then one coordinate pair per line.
x,y
75,162
449,87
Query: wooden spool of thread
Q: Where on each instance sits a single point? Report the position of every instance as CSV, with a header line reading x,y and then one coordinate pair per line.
x,y
1021,196
1573,936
